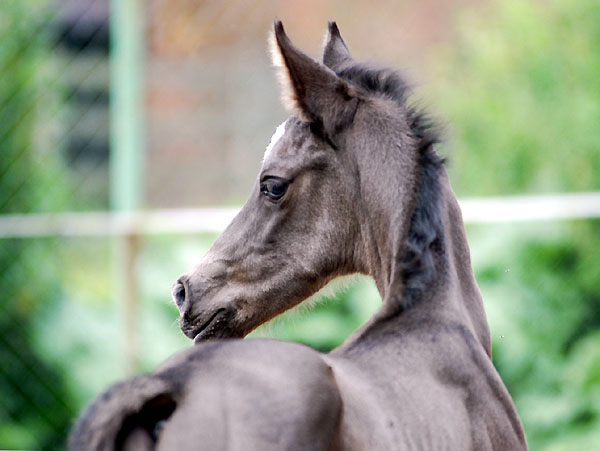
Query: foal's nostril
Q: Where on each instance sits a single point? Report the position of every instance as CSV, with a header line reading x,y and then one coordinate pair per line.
x,y
178,293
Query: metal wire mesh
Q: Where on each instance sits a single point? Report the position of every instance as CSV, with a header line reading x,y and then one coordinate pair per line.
x,y
53,155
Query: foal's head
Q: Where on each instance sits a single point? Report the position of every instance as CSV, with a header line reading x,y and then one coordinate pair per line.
x,y
336,176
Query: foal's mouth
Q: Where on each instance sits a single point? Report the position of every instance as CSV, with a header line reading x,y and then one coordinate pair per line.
x,y
215,326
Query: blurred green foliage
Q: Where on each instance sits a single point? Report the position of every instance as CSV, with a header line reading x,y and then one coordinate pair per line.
x,y
520,87
35,405
326,320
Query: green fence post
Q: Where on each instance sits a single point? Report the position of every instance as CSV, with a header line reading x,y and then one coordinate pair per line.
x,y
127,152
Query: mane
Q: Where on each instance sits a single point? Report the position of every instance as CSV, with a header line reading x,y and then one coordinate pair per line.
x,y
391,84
425,234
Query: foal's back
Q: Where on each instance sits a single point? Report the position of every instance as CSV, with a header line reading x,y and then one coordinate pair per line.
x,y
252,395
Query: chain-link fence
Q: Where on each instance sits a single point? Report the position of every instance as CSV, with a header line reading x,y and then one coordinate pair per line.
x,y
53,157
84,290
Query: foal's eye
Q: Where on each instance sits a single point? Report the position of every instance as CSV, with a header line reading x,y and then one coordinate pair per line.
x,y
274,188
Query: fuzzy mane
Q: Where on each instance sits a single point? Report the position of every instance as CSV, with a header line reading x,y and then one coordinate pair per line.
x,y
391,84
425,235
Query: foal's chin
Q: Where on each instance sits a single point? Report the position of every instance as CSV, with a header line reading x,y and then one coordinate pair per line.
x,y
223,333
220,324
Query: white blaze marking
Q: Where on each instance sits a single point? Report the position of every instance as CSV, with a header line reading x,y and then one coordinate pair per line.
x,y
274,139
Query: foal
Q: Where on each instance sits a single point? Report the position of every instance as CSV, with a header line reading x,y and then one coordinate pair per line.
x,y
350,183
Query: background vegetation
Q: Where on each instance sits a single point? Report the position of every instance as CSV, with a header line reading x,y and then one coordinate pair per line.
x,y
518,85
36,405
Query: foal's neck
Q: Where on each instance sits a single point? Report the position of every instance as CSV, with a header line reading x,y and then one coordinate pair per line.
x,y
431,276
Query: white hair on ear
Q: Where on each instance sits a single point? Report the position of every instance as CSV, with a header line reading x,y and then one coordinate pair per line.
x,y
288,96
274,139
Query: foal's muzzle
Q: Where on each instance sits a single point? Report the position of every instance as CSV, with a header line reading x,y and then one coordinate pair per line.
x,y
207,321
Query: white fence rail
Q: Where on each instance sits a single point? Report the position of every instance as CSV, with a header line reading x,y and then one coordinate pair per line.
x,y
531,208
201,220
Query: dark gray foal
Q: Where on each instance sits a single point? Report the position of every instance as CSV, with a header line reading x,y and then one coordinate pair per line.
x,y
349,184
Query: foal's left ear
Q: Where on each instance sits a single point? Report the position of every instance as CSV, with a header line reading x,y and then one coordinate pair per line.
x,y
335,51
310,89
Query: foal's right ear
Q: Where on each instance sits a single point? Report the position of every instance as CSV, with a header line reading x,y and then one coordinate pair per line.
x,y
335,53
311,90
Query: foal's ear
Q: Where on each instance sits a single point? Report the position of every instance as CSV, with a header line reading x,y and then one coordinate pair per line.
x,y
310,89
335,52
